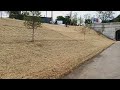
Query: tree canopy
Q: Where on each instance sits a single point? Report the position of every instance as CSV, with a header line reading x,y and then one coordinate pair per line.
x,y
105,16
61,18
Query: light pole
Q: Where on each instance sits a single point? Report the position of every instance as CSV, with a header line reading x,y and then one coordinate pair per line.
x,y
1,14
70,14
46,13
52,16
70,17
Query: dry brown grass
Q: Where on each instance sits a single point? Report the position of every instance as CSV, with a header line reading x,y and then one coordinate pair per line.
x,y
56,50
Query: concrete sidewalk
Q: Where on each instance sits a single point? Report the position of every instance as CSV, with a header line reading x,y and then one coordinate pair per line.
x,y
105,66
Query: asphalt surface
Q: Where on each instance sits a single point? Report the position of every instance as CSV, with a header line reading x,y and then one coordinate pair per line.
x,y
105,66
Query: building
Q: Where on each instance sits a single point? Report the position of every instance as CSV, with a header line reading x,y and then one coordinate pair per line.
x,y
46,19
59,22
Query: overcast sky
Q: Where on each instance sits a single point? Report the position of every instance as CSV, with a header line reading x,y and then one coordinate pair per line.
x,y
80,13
64,13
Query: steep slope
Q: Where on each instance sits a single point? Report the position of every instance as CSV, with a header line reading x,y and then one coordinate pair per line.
x,y
55,52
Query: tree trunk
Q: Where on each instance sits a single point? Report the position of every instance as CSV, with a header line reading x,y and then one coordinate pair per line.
x,y
66,24
33,35
102,27
33,28
84,37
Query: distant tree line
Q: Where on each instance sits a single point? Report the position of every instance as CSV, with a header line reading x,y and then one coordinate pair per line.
x,y
67,20
16,15
105,16
19,15
72,21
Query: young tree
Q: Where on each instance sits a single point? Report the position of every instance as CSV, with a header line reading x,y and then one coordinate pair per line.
x,y
70,17
33,21
67,20
74,19
84,32
105,15
87,19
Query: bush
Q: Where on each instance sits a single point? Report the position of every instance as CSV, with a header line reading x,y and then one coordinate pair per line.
x,y
20,17
88,21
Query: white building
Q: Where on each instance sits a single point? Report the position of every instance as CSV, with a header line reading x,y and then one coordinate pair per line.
x,y
59,22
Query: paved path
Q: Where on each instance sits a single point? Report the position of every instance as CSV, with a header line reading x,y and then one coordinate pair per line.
x,y
105,66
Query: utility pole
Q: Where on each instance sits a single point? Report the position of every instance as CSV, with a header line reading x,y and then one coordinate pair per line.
x,y
52,16
1,14
70,16
46,13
